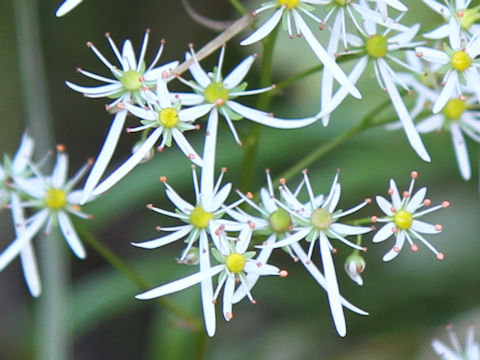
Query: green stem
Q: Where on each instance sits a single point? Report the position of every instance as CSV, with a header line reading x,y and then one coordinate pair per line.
x,y
238,6
131,274
264,99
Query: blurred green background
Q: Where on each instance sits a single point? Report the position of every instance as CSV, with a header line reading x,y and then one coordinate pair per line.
x,y
409,300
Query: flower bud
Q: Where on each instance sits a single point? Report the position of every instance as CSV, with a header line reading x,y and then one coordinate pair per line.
x,y
191,257
149,154
354,266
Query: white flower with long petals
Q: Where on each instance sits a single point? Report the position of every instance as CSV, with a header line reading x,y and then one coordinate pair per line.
x,y
276,223
55,201
235,264
163,119
378,48
291,12
317,221
459,119
459,64
456,14
402,216
471,351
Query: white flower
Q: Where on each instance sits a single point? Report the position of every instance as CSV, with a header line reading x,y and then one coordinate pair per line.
x,y
402,216
277,224
317,221
458,119
55,201
456,352
382,6
354,266
457,14
164,119
66,7
291,12
235,264
378,49
459,64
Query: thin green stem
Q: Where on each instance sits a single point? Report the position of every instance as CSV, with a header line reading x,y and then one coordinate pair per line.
x,y
238,6
193,322
264,99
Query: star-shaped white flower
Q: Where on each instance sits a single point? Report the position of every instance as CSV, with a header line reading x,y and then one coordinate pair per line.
x,y
471,351
55,200
402,216
316,221
164,119
459,64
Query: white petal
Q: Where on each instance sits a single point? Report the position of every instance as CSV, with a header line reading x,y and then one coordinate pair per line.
x,y
346,230
197,72
71,235
384,205
17,245
451,81
424,228
130,164
66,7
440,32
186,148
105,155
261,268
400,240
297,236
23,155
438,7
267,120
461,151
397,202
164,240
180,284
227,297
128,56
238,74
332,286
384,233
30,270
221,196
142,113
194,112
96,91
431,123
36,188
337,190
178,201
433,55
267,201
206,285
264,29
444,351
416,200
206,179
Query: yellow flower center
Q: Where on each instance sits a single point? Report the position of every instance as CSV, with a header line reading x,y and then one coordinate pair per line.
x,y
403,219
321,219
377,46
235,262
131,80
168,117
454,109
216,93
461,60
279,220
290,4
200,218
55,199
469,17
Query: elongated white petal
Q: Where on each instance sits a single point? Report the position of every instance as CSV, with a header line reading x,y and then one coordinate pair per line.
x,y
66,7
186,148
261,268
264,29
297,236
431,123
71,235
105,155
95,90
412,134
206,179
142,113
416,200
253,115
164,240
432,55
384,233
461,151
440,32
438,7
324,57
34,187
332,286
451,82
194,112
397,202
159,72
384,205
197,72
23,155
60,171
128,56
221,196
267,201
227,297
17,245
238,74
319,278
424,228
206,284
444,351
181,284
30,270
400,240
345,230
335,198
178,201
130,164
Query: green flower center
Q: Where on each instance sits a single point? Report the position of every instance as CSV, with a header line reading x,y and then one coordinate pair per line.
x,y
377,46
289,3
321,219
469,17
131,80
454,109
235,262
55,199
461,60
403,219
341,2
215,93
280,220
200,218
168,117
